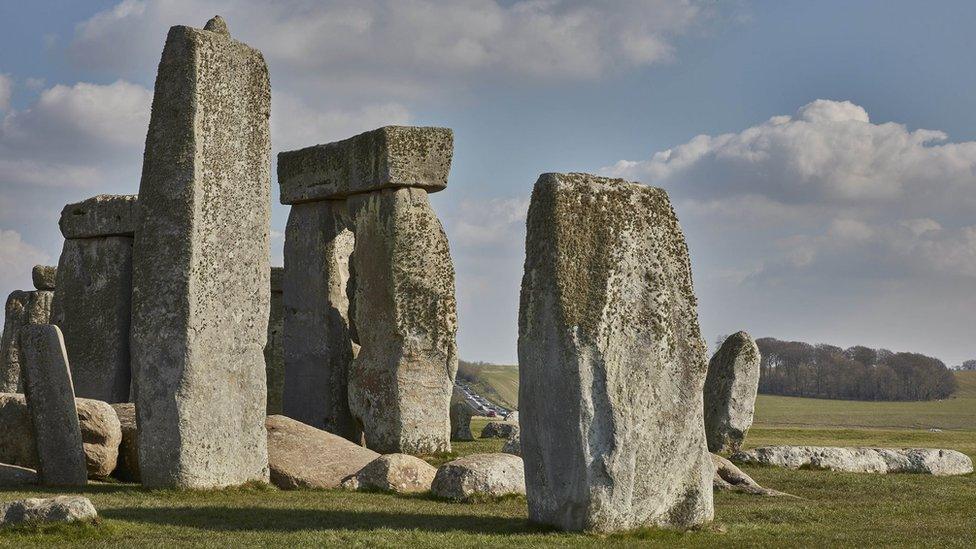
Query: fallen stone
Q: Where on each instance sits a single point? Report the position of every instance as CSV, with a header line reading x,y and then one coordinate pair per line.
x,y
301,456
47,510
461,414
92,307
201,288
730,478
608,322
12,475
931,461
479,475
316,338
102,215
398,473
22,309
100,434
388,157
499,429
513,445
401,381
44,276
127,468
730,393
274,360
51,405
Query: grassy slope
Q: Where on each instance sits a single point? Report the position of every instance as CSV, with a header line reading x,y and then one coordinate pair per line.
x,y
836,510
498,383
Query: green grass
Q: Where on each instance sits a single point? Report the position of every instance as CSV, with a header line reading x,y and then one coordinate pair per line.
x,y
836,509
956,413
499,384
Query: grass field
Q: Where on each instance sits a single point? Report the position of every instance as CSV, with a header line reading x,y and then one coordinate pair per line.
x,y
499,384
836,509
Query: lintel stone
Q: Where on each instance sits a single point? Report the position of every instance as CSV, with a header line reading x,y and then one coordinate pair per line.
x,y
391,156
102,215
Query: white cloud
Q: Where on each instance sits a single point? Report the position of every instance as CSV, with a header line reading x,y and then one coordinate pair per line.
x,y
406,46
17,258
295,124
74,136
6,90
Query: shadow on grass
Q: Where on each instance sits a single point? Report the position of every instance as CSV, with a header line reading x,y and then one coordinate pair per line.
x,y
288,520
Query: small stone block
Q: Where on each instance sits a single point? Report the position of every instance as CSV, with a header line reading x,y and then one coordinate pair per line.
x,y
102,215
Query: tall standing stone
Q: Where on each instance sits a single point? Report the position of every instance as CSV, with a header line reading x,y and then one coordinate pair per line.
x,y
730,393
22,309
401,381
93,304
317,343
461,413
611,360
51,404
274,361
394,296
201,265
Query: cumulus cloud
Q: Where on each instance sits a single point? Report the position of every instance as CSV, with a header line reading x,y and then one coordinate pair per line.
x,y
831,190
16,260
407,46
74,136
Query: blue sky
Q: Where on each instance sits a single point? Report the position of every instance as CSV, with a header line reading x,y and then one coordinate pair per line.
x,y
839,221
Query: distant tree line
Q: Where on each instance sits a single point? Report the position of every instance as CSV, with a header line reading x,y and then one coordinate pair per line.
x,y
793,368
468,371
968,366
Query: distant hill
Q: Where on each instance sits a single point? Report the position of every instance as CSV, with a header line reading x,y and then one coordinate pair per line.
x,y
496,382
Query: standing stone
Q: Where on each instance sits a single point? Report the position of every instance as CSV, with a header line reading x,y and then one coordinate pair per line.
x,y
461,414
44,276
406,319
51,404
93,304
608,322
274,361
201,267
318,346
730,393
22,309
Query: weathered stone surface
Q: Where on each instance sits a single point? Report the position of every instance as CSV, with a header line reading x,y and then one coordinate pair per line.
x,y
730,393
931,461
499,429
22,308
12,475
401,381
51,404
47,510
730,478
100,434
317,343
392,156
514,444
102,215
608,322
461,413
512,417
92,307
479,475
398,473
44,276
127,467
301,456
274,360
201,267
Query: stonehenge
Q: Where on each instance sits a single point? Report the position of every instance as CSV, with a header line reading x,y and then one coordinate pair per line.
x,y
200,266
460,415
93,304
23,308
369,309
730,393
611,361
51,405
